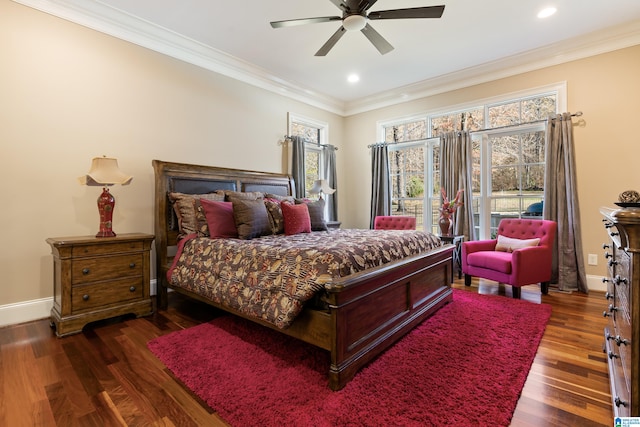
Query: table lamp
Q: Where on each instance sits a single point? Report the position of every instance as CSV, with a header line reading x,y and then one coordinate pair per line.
x,y
105,172
321,186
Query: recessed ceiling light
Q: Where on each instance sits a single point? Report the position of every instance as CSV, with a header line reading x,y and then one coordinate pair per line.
x,y
353,78
547,12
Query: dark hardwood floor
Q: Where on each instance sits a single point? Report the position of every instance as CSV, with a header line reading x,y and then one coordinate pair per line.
x,y
105,376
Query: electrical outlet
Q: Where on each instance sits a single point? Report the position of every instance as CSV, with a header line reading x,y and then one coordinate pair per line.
x,y
593,259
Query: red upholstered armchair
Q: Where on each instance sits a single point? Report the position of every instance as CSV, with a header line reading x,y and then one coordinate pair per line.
x,y
396,222
520,255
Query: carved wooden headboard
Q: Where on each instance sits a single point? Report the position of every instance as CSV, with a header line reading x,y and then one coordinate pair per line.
x,y
196,179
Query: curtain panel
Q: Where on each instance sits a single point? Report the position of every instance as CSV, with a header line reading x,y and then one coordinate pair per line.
x,y
297,165
561,204
455,174
380,182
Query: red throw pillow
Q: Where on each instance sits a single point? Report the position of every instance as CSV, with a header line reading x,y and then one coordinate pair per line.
x,y
296,218
219,218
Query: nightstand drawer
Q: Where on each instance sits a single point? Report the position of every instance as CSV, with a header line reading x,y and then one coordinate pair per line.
x,y
86,297
102,249
106,268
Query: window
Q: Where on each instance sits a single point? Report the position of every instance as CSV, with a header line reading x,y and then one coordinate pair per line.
x,y
314,134
508,157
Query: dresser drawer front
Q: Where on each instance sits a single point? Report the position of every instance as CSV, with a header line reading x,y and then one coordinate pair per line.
x,y
619,386
104,249
106,268
88,297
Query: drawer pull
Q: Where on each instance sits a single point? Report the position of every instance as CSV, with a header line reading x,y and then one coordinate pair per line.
x,y
617,280
614,233
85,271
605,246
621,341
608,296
132,265
612,355
85,297
619,402
132,289
605,280
605,314
607,255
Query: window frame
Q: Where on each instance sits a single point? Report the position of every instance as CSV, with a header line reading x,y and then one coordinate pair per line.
x,y
323,138
558,89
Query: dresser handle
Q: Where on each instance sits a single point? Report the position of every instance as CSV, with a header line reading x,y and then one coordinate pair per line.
x,y
621,341
132,289
132,265
619,402
614,233
608,295
612,355
613,308
605,314
617,280
85,297
605,246
612,263
607,255
605,280
85,271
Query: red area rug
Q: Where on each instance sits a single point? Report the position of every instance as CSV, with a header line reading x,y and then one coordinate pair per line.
x,y
466,365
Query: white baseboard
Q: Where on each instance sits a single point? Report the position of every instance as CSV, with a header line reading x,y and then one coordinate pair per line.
x,y
27,311
594,283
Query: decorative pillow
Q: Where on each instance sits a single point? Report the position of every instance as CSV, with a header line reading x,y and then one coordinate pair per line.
x,y
509,244
251,218
316,213
249,195
275,215
279,197
219,218
296,218
191,218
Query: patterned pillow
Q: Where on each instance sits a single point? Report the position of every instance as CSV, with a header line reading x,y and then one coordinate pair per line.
x,y
275,215
219,218
316,213
296,218
251,218
191,218
509,244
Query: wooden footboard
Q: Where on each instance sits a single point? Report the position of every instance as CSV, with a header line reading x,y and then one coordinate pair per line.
x,y
371,310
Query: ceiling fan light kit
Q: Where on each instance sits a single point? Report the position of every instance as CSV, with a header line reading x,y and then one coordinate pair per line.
x,y
355,18
354,22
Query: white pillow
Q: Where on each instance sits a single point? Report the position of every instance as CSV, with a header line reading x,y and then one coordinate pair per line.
x,y
508,244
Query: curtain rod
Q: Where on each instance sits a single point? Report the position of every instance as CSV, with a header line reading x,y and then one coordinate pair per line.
x,y
287,138
576,114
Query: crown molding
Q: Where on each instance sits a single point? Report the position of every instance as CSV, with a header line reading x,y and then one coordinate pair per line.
x,y
114,22
619,37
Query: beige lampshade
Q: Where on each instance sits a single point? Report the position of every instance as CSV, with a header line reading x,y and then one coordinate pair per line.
x,y
321,186
105,171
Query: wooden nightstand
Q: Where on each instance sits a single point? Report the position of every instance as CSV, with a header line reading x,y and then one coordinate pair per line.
x,y
97,278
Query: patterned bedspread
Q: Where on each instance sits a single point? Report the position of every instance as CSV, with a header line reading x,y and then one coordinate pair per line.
x,y
272,277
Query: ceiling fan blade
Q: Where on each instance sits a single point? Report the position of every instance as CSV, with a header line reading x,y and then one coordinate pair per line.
x,y
366,4
376,39
304,21
416,12
340,5
331,42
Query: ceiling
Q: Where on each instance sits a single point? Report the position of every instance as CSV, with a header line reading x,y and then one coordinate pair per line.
x,y
474,41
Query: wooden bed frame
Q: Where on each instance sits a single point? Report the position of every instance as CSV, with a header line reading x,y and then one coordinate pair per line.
x,y
368,311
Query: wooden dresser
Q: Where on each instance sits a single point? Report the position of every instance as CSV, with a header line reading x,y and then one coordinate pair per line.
x,y
622,333
97,278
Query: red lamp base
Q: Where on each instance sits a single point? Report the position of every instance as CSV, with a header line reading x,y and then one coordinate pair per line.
x,y
106,203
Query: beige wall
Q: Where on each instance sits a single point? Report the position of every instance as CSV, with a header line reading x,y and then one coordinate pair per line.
x,y
606,88
68,93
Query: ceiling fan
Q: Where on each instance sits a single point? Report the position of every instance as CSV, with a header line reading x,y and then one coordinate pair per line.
x,y
354,18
